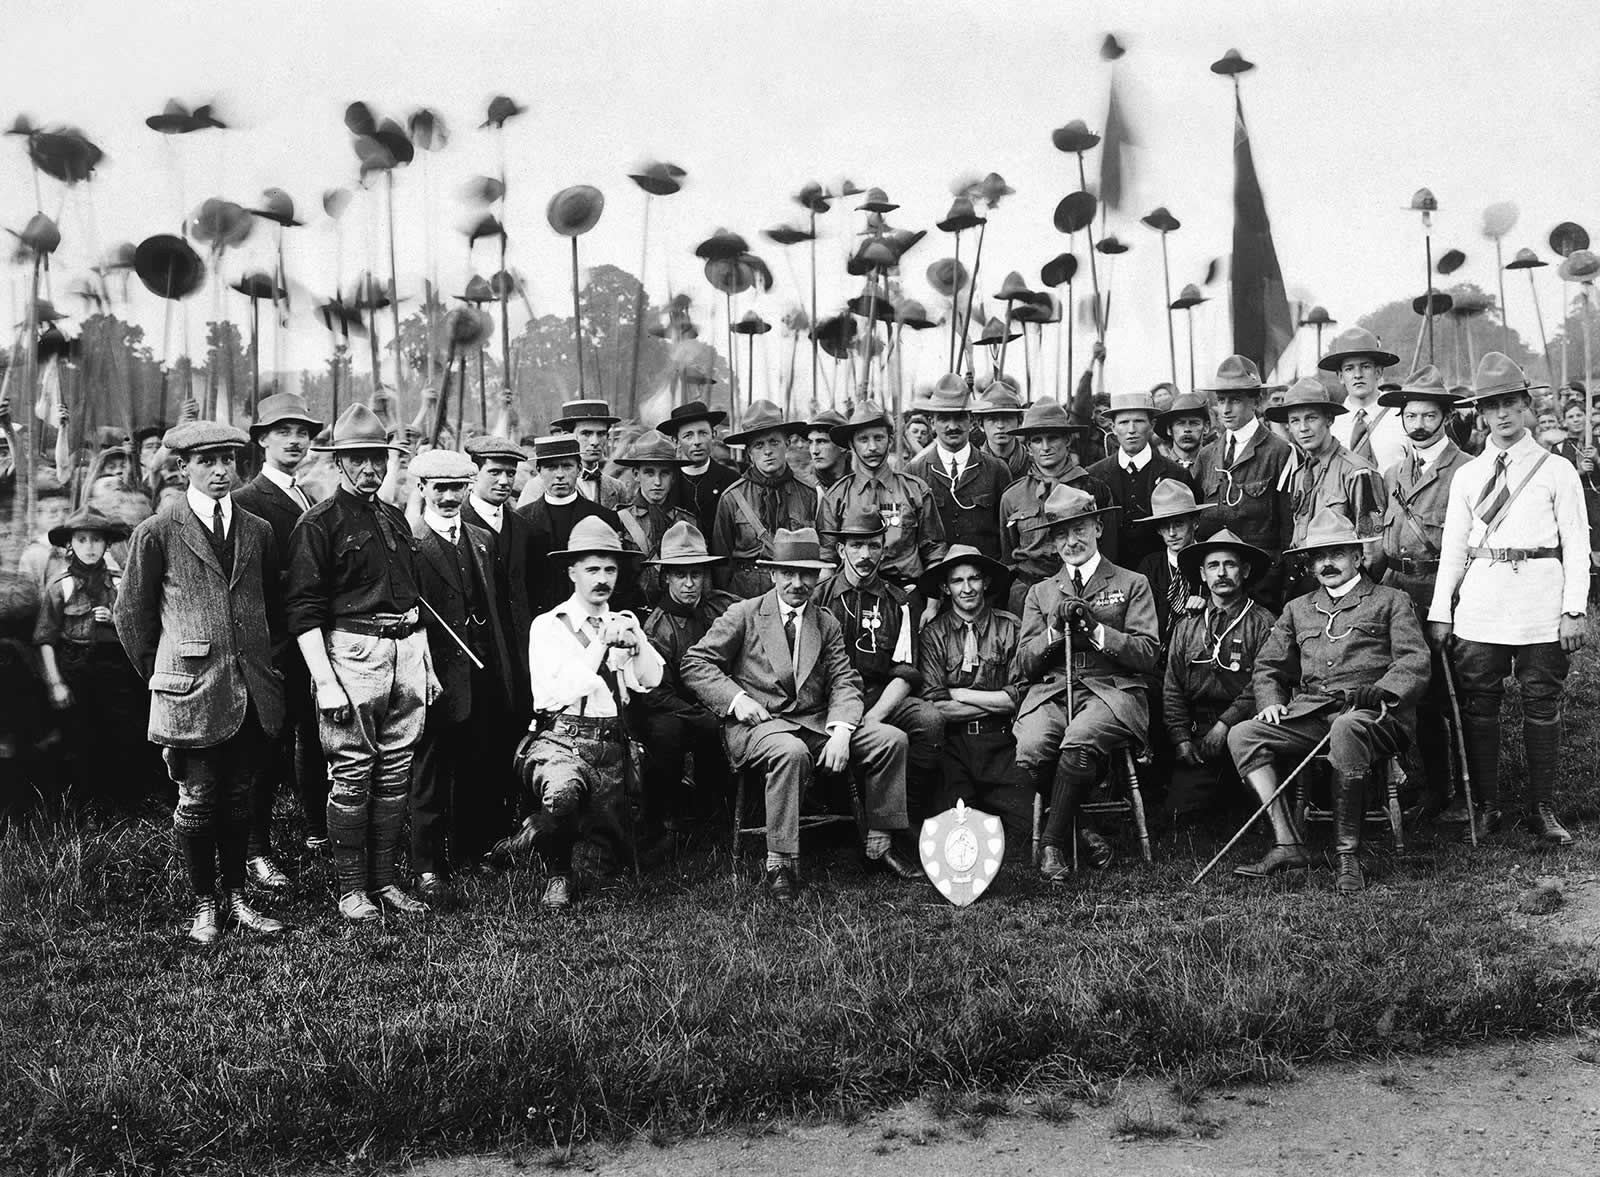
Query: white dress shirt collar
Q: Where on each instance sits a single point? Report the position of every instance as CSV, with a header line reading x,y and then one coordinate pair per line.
x,y
205,509
960,459
446,529
1140,460
1086,570
1242,435
490,513
1344,589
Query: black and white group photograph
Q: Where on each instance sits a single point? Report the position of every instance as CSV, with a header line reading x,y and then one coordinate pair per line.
x,y
887,589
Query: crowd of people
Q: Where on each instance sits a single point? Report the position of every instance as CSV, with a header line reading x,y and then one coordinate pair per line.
x,y
568,648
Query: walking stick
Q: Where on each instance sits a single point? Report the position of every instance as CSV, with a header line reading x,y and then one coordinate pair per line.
x,y
1460,741
1265,805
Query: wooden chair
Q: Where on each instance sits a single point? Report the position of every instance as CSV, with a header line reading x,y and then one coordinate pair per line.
x,y
1119,796
1381,784
821,782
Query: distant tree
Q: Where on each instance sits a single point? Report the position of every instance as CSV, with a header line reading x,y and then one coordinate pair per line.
x,y
1457,342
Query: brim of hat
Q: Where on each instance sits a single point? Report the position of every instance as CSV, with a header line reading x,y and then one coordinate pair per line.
x,y
1472,398
1190,557
113,532
1000,577
1038,526
744,435
1252,389
334,447
310,423
1280,413
1024,430
1331,361
569,422
987,410
564,553
1343,543
1163,420
847,533
933,406
842,435
1401,398
1194,510
636,462
687,561
670,427
804,565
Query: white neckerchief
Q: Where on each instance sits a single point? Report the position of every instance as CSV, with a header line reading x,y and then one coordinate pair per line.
x,y
487,511
205,510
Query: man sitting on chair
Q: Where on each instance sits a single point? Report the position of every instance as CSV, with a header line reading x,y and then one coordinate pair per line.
x,y
1089,642
777,669
1347,663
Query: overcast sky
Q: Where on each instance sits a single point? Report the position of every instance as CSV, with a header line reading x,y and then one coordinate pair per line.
x,y
1352,108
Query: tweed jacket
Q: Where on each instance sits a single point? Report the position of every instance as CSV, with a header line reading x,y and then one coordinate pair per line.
x,y
746,650
1131,492
1248,500
1321,647
1413,521
1118,672
969,510
470,609
201,638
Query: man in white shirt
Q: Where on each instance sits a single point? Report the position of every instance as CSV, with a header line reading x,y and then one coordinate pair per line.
x,y
1368,428
1512,608
586,662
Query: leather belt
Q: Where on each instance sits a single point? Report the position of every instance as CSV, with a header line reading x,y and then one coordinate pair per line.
x,y
589,725
1416,565
1513,555
381,625
982,727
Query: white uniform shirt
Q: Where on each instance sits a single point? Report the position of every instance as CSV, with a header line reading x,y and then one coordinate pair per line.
x,y
1514,604
1388,434
565,673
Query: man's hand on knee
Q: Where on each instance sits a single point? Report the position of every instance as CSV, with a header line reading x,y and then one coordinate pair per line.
x,y
1367,698
835,754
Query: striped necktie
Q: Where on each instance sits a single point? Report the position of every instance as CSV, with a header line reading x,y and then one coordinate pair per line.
x,y
1358,431
1495,492
1177,592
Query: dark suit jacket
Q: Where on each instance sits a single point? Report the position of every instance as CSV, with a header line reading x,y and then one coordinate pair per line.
x,y
548,585
970,510
746,650
439,582
201,638
511,548
1248,501
266,500
1136,540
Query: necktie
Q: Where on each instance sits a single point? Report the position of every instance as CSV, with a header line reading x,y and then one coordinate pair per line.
x,y
969,648
1495,492
298,495
1131,468
1077,583
1230,454
955,470
791,630
218,531
454,535
1177,592
607,675
1358,431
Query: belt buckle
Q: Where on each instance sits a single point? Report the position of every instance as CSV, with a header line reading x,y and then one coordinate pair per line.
x,y
974,727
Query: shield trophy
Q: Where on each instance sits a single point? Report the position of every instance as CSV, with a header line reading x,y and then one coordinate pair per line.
x,y
962,850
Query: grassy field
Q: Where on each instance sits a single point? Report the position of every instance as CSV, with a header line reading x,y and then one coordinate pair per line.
x,y
690,1003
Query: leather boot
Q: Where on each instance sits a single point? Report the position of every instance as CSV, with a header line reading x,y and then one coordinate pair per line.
x,y
383,839
241,913
206,927
1054,866
1076,773
1542,743
1349,807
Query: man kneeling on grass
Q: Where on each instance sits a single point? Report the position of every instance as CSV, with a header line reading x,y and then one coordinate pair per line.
x,y
777,669
1346,661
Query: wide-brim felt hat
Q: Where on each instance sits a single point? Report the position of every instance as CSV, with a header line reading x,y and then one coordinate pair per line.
x,y
1497,375
863,523
1048,416
192,436
1171,499
1132,402
281,407
797,548
760,417
485,447
999,400
358,428
168,266
652,448
592,536
865,415
949,395
1525,259
1353,344
825,420
1191,557
1187,404
1426,383
1308,390
584,410
88,519
690,411
1329,528
1066,504
683,546
442,465
933,577
961,216
1235,374
573,211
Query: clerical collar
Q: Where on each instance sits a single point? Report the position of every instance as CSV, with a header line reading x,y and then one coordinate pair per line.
x,y
564,501
698,471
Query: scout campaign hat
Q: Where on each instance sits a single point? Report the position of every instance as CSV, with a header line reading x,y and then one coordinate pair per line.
x,y
1191,557
88,519
932,579
949,395
1066,504
796,548
825,420
682,546
1236,374
690,411
1188,404
358,428
1171,499
759,417
865,415
652,449
1308,390
584,410
441,465
193,436
591,535
1329,528
862,523
555,449
1425,384
1497,375
281,407
1354,344
1047,416
480,449
960,217
1132,402
998,400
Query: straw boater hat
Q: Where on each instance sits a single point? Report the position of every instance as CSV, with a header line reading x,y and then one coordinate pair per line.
x,y
1191,557
1354,344
481,449
584,410
1425,384
441,465
1497,375
867,414
691,411
1329,528
949,395
1132,402
1047,416
650,448
1172,499
193,436
88,519
862,523
358,428
281,407
558,448
1308,390
682,546
1066,504
931,582
796,548
592,536
1236,374
760,417
1188,404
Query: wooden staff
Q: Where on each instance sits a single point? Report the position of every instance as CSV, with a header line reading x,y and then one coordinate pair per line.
x,y
394,289
577,317
972,293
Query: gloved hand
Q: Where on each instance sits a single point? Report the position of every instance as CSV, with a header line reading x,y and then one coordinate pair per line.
x,y
1077,618
1364,698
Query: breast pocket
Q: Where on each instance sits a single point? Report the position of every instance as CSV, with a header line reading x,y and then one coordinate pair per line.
x,y
351,544
77,619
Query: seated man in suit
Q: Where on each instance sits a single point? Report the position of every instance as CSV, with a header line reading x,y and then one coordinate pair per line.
x,y
1089,644
1346,662
775,667
460,792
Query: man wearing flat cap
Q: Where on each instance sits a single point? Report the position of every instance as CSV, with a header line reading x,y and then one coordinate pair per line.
x,y
588,662
777,670
1132,472
461,787
913,531
1088,647
701,481
282,431
197,611
1369,429
511,539
1499,609
353,608
588,422
551,518
1346,662
966,482
655,461
766,499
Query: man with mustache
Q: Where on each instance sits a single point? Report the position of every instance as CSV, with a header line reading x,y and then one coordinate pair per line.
x,y
1182,428
1368,429
283,430
1498,609
553,516
1347,661
966,482
1206,689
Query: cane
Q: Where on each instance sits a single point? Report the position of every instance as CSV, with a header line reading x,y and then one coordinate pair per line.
x,y
445,625
1460,741
1265,805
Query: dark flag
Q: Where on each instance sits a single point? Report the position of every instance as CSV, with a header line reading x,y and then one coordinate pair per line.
x,y
1259,304
1113,147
